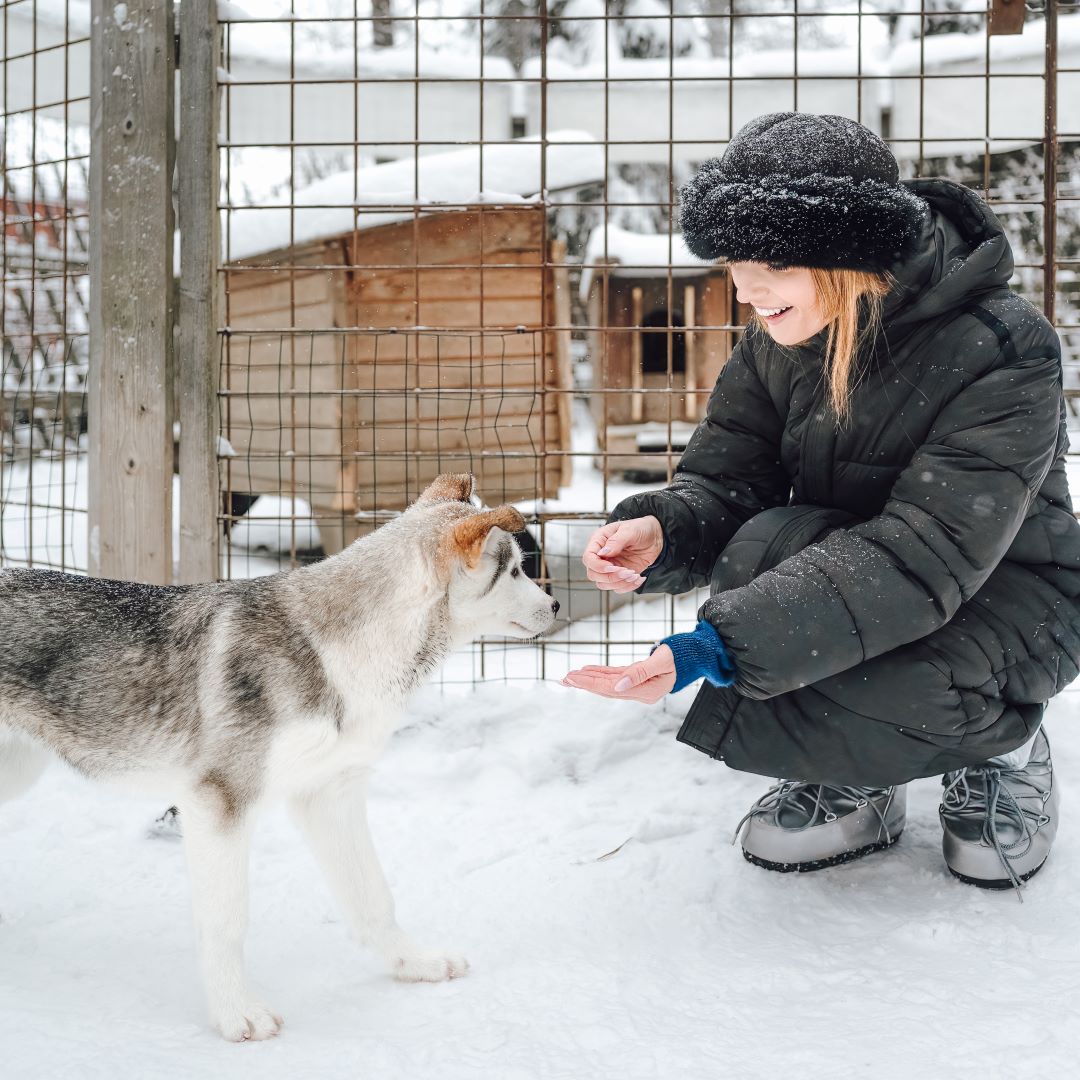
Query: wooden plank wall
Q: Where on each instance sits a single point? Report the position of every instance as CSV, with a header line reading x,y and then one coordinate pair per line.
x,y
372,418
613,355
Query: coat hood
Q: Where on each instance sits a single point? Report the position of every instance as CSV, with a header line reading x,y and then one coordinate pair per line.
x,y
962,253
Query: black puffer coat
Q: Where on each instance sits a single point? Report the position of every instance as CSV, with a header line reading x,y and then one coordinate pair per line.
x,y
900,595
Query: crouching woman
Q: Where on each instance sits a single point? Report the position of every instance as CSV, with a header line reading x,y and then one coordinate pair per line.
x,y
877,500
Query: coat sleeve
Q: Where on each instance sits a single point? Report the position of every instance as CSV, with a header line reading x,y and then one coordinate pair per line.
x,y
948,522
729,472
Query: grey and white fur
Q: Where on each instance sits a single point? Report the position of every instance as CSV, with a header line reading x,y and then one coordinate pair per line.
x,y
225,696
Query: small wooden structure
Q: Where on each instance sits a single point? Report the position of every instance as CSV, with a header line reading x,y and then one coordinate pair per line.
x,y
374,359
644,337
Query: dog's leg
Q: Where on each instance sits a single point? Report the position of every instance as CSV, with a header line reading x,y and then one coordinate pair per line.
x,y
216,844
22,761
334,819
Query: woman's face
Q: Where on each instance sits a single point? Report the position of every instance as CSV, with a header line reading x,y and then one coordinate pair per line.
x,y
786,300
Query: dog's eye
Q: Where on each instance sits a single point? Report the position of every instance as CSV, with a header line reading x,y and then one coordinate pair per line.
x,y
515,572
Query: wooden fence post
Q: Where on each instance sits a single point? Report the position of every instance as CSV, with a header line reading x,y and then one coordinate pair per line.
x,y
131,275
197,359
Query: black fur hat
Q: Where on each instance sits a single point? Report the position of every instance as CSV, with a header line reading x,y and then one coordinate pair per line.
x,y
800,189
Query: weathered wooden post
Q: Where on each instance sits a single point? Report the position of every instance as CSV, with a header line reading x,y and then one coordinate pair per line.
x,y
131,284
197,358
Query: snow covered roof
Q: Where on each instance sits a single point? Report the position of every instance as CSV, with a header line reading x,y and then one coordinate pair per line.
x,y
264,35
941,50
744,64
33,139
511,174
637,255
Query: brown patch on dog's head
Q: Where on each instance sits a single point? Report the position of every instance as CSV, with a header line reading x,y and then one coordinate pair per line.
x,y
449,487
464,542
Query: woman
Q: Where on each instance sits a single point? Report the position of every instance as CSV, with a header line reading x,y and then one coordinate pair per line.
x,y
877,498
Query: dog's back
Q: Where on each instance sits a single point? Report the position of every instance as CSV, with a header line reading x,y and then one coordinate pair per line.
x,y
117,677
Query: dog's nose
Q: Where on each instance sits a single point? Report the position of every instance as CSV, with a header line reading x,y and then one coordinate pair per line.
x,y
554,607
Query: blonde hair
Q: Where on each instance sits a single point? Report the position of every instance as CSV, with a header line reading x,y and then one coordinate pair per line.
x,y
851,301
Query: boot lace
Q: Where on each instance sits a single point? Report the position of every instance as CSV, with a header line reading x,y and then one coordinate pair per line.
x,y
810,800
998,801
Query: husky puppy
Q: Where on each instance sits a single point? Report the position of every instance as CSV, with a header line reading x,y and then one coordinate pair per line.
x,y
224,696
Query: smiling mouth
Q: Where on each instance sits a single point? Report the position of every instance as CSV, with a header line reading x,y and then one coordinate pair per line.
x,y
773,314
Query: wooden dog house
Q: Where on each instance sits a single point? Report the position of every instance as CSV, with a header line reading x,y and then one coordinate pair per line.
x,y
388,372
393,325
642,335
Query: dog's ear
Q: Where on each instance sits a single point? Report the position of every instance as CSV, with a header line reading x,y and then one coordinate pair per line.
x,y
449,487
465,541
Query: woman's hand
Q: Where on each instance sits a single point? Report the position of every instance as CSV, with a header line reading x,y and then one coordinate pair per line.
x,y
617,553
646,680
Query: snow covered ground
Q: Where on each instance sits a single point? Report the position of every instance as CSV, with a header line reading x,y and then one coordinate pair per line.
x,y
672,958
493,811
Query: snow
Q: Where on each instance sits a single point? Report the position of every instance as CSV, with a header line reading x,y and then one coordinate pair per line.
x,y
944,50
271,524
578,855
494,810
746,62
43,141
53,534
506,173
637,255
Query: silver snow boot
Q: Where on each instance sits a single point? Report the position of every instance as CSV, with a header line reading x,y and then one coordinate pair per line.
x,y
999,822
799,826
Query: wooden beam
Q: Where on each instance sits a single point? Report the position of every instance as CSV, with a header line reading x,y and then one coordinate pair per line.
x,y
131,275
197,384
563,362
637,373
690,351
1006,17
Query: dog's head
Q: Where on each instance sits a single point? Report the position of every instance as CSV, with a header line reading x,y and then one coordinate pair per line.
x,y
480,562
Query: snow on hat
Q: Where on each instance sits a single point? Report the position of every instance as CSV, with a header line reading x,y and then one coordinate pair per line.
x,y
801,189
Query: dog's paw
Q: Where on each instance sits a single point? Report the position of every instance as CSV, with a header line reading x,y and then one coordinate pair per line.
x,y
248,1021
422,966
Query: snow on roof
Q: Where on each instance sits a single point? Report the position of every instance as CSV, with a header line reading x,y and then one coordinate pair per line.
x,y
940,50
637,255
748,63
36,146
265,35
511,174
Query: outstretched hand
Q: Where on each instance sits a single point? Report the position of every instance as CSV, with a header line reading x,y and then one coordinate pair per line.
x,y
645,680
617,553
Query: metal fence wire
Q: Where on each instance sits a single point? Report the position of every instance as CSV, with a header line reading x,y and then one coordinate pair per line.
x,y
44,255
449,242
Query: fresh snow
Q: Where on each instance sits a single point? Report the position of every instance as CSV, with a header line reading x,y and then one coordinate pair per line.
x,y
637,255
494,810
580,858
506,173
274,523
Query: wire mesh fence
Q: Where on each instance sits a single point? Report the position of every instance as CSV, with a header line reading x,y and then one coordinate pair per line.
x,y
44,157
449,241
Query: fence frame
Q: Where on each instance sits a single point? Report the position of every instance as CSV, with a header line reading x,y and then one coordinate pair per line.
x,y
130,383
197,359
132,373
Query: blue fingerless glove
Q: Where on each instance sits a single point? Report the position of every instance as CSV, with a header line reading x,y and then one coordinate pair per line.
x,y
699,655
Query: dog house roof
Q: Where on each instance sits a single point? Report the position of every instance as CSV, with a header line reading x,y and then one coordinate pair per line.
x,y
329,207
637,255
